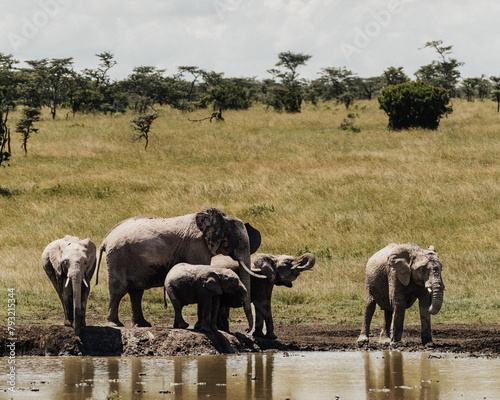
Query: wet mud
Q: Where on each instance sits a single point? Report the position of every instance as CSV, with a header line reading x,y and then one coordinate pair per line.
x,y
57,340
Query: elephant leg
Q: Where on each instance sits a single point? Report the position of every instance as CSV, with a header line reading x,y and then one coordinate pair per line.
x,y
398,318
214,313
205,312
268,318
370,306
385,333
115,296
259,318
223,319
136,301
425,321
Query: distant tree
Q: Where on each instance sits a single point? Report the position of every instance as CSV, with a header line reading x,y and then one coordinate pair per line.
x,y
9,94
52,80
369,86
394,76
469,88
495,93
144,86
143,125
476,88
25,126
443,72
93,90
414,105
287,72
195,74
339,84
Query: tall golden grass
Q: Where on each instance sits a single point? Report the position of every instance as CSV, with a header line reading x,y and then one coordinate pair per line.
x,y
304,182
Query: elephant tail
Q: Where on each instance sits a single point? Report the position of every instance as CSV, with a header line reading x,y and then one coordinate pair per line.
x,y
165,296
101,250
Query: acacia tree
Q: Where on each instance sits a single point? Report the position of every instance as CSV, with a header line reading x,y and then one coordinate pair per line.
x,y
495,93
143,125
25,126
443,72
52,80
9,83
394,76
338,84
289,77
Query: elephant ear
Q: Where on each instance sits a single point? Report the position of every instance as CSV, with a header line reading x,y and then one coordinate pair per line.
x,y
55,255
211,222
212,282
400,262
265,265
254,238
91,257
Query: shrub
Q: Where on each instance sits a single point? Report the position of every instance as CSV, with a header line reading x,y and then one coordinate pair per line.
x,y
414,105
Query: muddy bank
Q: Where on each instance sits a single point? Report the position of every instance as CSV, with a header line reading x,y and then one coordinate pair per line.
x,y
54,340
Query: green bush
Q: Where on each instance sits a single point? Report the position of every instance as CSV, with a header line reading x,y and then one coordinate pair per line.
x,y
414,105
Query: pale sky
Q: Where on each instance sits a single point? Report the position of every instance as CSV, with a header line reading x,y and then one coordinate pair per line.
x,y
242,38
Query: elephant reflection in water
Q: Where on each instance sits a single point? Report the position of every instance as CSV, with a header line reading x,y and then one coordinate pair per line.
x,y
81,372
388,380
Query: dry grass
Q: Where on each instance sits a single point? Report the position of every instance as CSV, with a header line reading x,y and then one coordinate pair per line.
x,y
306,184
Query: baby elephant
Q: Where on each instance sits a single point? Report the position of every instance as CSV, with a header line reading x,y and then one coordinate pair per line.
x,y
396,276
70,264
279,270
203,284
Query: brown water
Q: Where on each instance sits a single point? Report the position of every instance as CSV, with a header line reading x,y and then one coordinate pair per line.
x,y
298,375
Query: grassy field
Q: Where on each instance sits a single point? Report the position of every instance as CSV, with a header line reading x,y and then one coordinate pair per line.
x,y
304,182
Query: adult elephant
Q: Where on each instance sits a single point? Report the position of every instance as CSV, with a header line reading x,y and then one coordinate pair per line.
x,y
396,276
140,251
70,264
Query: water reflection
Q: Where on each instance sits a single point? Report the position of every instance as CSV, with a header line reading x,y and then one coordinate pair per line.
x,y
385,377
360,375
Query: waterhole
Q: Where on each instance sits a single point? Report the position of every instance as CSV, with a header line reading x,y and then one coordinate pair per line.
x,y
293,375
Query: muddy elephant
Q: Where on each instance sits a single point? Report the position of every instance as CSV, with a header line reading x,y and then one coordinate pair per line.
x,y
140,251
70,264
280,270
396,276
202,284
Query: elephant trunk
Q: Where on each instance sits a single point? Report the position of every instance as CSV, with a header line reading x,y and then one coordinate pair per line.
x,y
245,279
437,298
76,282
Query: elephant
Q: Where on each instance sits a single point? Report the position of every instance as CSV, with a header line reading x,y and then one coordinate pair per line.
x,y
396,276
71,260
280,270
202,284
141,250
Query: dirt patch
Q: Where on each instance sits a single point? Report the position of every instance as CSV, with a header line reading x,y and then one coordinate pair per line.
x,y
56,340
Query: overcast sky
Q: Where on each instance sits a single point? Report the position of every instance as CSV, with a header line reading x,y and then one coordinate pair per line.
x,y
242,38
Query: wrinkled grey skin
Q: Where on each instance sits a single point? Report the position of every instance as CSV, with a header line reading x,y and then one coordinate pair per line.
x,y
396,276
202,284
140,251
70,264
279,270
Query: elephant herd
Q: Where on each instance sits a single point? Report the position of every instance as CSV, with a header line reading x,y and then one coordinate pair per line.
x,y
205,259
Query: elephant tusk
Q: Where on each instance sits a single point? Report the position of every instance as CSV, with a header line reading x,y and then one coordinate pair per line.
x,y
251,272
85,282
67,282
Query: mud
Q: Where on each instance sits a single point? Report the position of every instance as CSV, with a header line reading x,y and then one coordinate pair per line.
x,y
56,340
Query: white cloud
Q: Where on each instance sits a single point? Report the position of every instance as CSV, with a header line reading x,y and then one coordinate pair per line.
x,y
243,37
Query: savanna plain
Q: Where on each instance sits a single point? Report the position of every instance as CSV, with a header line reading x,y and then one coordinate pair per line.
x,y
305,182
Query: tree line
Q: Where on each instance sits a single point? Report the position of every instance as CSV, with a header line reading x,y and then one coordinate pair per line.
x,y
54,83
